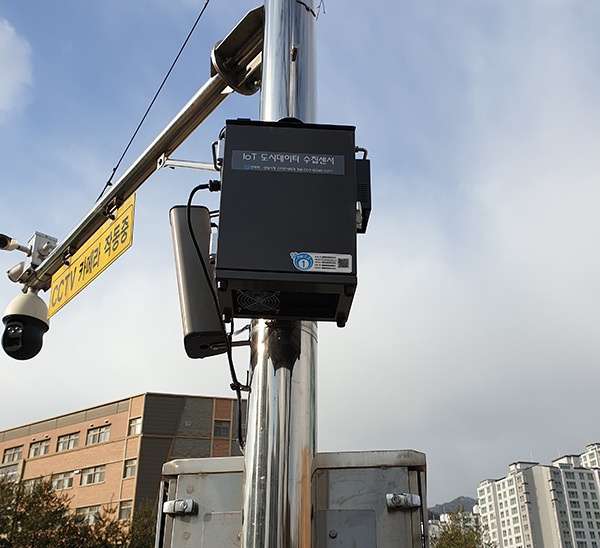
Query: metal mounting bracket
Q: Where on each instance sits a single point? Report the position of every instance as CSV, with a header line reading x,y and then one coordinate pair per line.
x,y
180,507
238,60
402,501
163,161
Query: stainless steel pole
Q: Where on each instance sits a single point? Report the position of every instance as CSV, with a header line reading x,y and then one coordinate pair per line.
x,y
281,433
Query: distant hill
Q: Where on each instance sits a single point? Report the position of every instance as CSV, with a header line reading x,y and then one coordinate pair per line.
x,y
465,502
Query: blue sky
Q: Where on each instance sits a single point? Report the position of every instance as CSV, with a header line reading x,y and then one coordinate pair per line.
x,y
474,336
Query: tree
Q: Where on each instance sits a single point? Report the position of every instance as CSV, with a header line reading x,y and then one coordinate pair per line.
x,y
31,517
142,531
39,517
461,530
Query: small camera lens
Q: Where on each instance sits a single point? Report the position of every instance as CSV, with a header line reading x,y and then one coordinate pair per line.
x,y
14,330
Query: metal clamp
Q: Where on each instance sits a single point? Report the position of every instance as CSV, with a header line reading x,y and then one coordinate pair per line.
x,y
402,501
180,507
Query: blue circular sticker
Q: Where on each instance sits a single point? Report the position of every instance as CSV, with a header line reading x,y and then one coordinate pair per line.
x,y
302,261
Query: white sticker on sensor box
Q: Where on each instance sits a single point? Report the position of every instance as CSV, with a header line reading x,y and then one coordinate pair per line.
x,y
322,262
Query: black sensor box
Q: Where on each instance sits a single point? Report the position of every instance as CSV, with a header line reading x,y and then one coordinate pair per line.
x,y
287,225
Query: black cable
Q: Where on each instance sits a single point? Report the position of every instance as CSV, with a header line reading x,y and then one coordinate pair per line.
x,y
109,182
235,385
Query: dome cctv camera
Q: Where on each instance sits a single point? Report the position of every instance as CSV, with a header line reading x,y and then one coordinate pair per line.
x,y
26,322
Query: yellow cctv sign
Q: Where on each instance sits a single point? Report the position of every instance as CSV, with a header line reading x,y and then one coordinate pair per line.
x,y
109,242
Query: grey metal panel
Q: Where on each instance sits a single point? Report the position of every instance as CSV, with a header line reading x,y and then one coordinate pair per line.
x,y
162,414
222,530
348,488
360,481
196,419
350,509
215,485
346,529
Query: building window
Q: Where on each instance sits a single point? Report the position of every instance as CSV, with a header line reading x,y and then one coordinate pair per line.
x,y
129,468
135,426
68,441
12,454
39,448
95,474
62,481
221,429
88,514
9,473
29,485
125,508
98,435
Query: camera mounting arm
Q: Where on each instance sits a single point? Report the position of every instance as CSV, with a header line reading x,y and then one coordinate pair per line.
x,y
38,249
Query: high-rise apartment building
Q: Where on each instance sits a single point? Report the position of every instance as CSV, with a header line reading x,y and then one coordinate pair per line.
x,y
591,457
112,454
544,506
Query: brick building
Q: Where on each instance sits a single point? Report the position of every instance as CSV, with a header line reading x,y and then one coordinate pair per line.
x,y
112,454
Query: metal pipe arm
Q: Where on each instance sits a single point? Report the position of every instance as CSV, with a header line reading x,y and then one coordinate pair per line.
x,y
243,64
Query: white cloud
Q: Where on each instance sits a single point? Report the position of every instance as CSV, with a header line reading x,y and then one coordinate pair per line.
x,y
16,70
